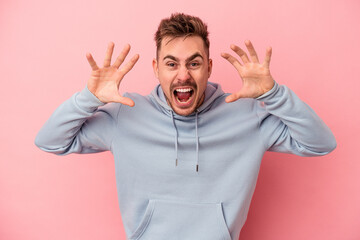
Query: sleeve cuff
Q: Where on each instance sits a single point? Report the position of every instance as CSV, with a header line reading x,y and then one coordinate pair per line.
x,y
269,93
87,101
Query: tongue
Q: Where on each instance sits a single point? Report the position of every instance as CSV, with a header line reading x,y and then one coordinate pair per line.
x,y
183,96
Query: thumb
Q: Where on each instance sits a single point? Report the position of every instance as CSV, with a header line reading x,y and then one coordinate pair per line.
x,y
235,96
124,100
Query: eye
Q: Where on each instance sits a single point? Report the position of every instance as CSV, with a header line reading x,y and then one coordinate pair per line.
x,y
171,64
194,64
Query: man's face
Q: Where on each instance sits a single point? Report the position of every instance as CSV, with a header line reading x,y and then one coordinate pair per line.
x,y
183,69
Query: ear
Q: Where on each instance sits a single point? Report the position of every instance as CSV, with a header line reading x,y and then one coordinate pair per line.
x,y
155,68
210,67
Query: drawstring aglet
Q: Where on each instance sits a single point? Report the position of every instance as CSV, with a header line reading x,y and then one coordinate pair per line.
x,y
197,167
176,162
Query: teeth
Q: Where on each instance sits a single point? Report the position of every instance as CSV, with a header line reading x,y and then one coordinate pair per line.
x,y
183,90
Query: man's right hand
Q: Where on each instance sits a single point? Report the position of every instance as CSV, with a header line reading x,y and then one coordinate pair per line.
x,y
104,82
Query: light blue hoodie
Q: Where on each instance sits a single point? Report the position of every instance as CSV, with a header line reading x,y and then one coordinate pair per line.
x,y
186,177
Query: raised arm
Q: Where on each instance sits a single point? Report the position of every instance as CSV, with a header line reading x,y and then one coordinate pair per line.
x,y
286,123
79,125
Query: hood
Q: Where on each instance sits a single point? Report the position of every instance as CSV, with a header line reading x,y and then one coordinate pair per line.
x,y
212,92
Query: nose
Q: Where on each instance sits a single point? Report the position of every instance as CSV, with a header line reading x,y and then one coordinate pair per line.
x,y
183,74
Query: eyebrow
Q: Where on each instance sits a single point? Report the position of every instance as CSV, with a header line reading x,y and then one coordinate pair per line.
x,y
195,55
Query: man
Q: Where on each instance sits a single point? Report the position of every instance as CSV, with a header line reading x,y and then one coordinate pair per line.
x,y
187,156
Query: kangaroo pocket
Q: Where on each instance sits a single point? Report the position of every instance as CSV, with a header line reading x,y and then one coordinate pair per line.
x,y
176,220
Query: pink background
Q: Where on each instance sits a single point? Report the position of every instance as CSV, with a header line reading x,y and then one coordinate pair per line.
x,y
42,63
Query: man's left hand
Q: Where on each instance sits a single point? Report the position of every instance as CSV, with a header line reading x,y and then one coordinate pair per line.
x,y
255,76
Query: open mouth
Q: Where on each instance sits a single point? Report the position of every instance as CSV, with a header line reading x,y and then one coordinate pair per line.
x,y
183,96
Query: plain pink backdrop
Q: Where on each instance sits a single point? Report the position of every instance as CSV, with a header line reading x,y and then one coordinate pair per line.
x,y
42,63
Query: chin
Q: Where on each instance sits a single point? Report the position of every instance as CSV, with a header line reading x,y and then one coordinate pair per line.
x,y
184,112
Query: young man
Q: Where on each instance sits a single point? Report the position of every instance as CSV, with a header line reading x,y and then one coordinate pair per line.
x,y
187,156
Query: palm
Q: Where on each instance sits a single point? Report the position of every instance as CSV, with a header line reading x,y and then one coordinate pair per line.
x,y
256,79
104,82
256,76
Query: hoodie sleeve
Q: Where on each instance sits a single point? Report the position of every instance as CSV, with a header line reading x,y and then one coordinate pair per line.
x,y
289,125
79,125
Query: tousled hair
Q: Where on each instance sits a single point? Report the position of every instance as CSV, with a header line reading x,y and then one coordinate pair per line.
x,y
181,25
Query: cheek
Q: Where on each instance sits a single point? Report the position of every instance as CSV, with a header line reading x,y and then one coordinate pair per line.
x,y
201,79
166,78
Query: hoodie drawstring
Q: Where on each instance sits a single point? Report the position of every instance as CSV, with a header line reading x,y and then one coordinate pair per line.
x,y
176,138
196,137
197,141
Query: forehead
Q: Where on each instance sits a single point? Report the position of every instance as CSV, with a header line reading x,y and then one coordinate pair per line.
x,y
182,47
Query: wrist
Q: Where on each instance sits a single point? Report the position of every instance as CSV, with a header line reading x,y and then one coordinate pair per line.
x,y
269,92
86,99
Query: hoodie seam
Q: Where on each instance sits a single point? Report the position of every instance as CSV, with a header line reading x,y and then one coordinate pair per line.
x,y
259,124
116,124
